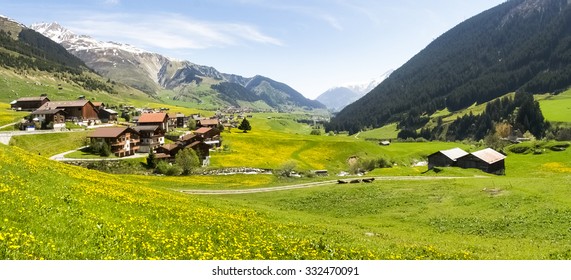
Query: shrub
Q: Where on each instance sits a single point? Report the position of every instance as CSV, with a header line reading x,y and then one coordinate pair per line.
x,y
315,132
168,169
187,160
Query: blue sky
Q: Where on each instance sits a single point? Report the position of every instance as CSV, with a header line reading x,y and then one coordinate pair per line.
x,y
311,45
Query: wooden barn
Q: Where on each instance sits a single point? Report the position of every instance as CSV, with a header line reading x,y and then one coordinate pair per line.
x,y
487,160
445,158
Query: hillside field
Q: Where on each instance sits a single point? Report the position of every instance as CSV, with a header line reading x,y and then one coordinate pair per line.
x,y
407,213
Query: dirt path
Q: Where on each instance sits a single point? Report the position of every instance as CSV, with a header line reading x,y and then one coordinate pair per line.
x,y
324,183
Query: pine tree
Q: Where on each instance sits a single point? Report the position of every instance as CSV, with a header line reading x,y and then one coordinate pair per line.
x,y
245,125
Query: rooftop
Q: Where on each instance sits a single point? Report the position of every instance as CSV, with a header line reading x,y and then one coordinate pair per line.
x,y
152,117
489,155
454,153
108,132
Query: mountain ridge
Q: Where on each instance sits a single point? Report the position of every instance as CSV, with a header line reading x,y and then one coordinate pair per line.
x,y
337,98
151,72
519,45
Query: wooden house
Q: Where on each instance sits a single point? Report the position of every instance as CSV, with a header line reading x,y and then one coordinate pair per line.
x,y
54,116
170,149
29,103
76,110
445,158
210,136
212,123
152,136
171,121
124,141
159,119
107,115
181,120
487,160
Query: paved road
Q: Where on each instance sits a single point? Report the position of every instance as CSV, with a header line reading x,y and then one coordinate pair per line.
x,y
324,183
61,157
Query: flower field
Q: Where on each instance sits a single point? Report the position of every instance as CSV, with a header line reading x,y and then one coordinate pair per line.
x,y
50,210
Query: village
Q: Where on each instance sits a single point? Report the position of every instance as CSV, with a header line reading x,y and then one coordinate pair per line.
x,y
164,134
143,131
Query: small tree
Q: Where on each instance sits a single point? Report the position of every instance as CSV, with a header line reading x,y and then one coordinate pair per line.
x,y
245,125
105,150
187,160
151,159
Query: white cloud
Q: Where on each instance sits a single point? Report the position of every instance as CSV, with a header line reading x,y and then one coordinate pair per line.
x,y
169,31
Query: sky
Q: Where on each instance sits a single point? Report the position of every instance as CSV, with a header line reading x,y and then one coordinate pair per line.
x,y
311,45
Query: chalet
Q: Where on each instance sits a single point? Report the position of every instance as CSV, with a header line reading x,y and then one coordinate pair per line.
x,y
159,119
487,160
98,105
29,103
107,115
124,141
210,136
212,123
181,120
54,115
445,158
170,149
171,121
152,136
77,110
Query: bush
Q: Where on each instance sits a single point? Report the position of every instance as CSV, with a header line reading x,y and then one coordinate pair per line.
x,y
187,160
315,132
168,169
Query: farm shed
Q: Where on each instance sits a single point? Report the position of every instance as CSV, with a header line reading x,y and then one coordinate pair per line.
x,y
29,103
487,160
445,157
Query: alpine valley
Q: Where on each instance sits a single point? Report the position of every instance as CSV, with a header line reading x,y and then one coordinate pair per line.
x,y
167,78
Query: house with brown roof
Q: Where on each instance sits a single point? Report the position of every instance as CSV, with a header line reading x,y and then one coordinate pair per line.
x,y
170,149
152,136
29,103
210,136
159,119
76,110
55,118
124,141
208,123
107,115
487,160
445,158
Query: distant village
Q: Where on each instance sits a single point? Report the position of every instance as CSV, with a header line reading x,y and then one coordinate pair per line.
x,y
142,133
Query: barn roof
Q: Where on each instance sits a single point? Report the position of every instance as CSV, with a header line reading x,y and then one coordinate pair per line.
x,y
454,154
34,98
64,104
489,155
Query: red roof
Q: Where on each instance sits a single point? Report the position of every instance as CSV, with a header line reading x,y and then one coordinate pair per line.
x,y
152,118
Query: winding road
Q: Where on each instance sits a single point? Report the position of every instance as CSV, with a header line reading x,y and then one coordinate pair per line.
x,y
317,184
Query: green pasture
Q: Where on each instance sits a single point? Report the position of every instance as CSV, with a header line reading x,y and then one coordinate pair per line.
x,y
523,215
556,108
8,115
50,144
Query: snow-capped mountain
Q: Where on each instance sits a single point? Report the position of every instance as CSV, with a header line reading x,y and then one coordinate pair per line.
x,y
151,72
337,98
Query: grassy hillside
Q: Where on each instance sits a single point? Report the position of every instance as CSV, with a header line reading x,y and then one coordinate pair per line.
x,y
9,116
56,211
523,215
556,108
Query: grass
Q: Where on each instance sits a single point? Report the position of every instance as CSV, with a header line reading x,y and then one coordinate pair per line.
x,y
50,144
389,131
556,108
8,115
519,216
107,218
